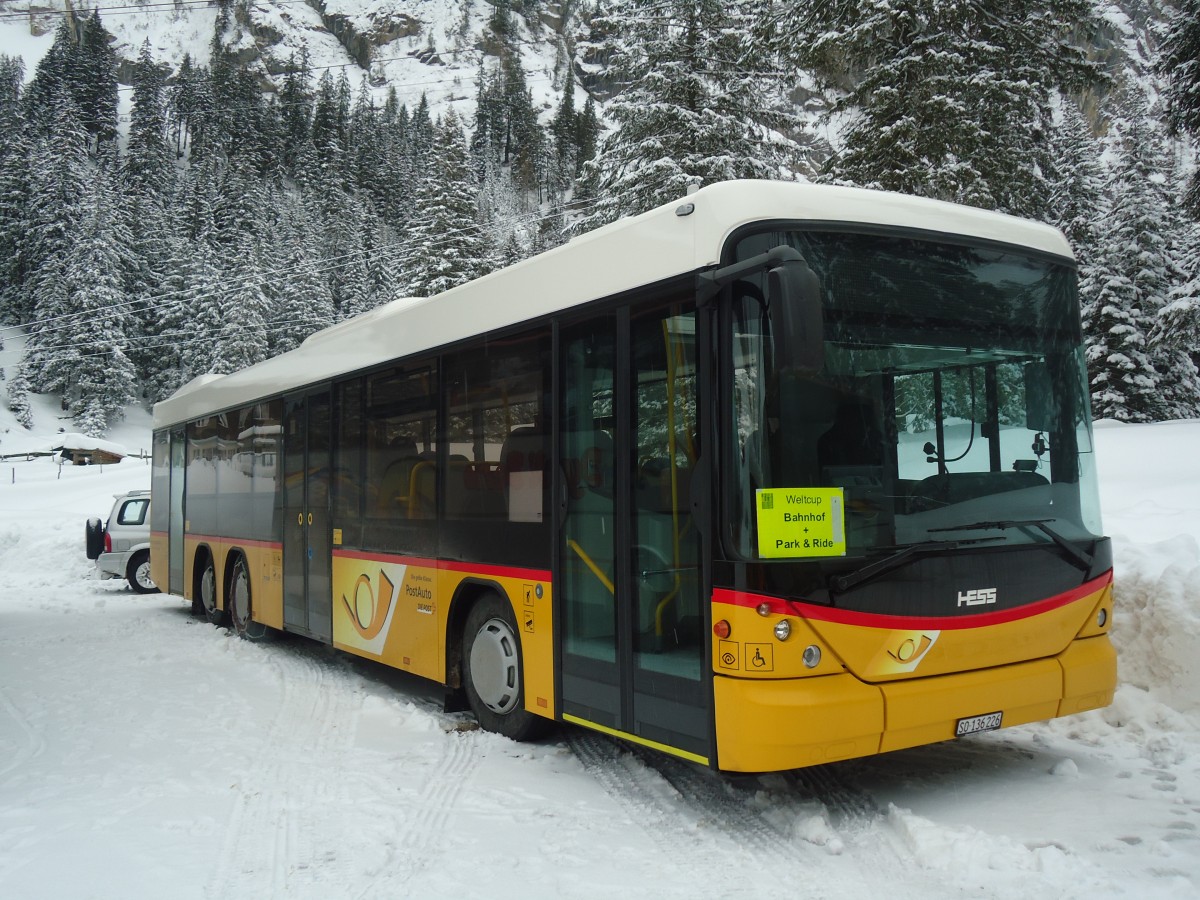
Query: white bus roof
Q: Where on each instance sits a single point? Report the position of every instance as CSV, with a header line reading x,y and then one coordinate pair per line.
x,y
632,252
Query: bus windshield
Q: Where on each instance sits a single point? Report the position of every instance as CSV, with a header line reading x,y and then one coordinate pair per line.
x,y
952,404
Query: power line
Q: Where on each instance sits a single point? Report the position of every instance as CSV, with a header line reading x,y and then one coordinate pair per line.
x,y
130,9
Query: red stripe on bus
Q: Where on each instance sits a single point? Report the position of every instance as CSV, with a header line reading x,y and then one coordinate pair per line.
x,y
448,565
884,620
241,542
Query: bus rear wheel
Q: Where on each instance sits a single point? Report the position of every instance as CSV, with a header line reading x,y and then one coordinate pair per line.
x,y
240,608
207,595
492,671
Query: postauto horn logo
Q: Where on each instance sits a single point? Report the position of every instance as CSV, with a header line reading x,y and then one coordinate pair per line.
x,y
369,608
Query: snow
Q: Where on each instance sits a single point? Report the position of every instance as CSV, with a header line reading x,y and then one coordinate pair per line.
x,y
144,753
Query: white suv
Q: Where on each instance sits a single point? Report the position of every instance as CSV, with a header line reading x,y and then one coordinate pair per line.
x,y
121,546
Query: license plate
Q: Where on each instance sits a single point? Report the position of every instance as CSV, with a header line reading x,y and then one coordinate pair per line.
x,y
976,724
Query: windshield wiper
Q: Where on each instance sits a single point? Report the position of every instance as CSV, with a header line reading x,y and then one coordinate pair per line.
x,y
843,583
1079,557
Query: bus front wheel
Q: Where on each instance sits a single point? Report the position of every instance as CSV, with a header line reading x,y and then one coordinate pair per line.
x,y
492,671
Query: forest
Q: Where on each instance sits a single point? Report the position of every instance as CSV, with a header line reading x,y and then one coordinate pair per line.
x,y
229,215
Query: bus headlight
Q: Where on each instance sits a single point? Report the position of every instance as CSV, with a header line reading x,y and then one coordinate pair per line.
x,y
783,629
1102,618
812,656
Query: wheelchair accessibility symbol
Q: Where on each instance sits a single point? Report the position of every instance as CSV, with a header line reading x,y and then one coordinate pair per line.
x,y
760,658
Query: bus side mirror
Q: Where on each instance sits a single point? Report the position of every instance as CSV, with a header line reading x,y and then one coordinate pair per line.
x,y
794,301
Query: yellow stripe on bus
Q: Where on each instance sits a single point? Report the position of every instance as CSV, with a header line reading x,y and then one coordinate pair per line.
x,y
654,745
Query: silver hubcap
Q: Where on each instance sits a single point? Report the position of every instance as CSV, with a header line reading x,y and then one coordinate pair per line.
x,y
208,590
494,671
142,574
241,598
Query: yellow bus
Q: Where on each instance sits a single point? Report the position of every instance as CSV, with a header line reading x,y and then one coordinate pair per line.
x,y
771,476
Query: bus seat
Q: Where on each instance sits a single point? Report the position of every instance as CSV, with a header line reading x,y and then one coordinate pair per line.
x,y
422,490
394,484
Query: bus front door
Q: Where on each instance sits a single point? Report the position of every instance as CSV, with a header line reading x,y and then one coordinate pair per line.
x,y
307,542
630,574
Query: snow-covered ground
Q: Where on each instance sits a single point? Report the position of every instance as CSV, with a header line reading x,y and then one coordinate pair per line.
x,y
145,754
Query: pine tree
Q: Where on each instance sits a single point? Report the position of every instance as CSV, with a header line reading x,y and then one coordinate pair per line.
x,y
1177,332
446,248
1179,61
168,326
687,112
100,375
14,192
295,100
186,104
95,82
242,332
1134,280
147,161
951,100
1078,203
60,180
52,80
303,302
18,399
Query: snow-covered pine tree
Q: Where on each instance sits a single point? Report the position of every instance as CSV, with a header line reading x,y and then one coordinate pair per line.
x,y
951,100
687,110
1177,332
396,184
100,376
365,147
1135,275
330,122
446,245
94,82
18,399
187,99
60,179
1179,61
146,167
1173,340
14,191
564,130
168,326
242,333
507,219
1078,201
303,302
146,182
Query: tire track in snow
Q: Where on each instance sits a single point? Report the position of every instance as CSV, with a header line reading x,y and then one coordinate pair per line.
x,y
31,746
422,839
267,850
752,821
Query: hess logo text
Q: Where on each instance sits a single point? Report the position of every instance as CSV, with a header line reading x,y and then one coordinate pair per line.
x,y
977,597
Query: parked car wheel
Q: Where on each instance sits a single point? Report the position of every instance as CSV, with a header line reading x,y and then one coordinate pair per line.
x,y
138,573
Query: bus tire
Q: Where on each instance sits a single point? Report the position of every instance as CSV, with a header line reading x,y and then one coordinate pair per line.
x,y
207,595
492,670
240,606
137,573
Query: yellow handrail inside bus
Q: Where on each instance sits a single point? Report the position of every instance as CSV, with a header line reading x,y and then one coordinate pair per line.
x,y
591,564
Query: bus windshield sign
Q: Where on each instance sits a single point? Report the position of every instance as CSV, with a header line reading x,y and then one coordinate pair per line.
x,y
797,522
